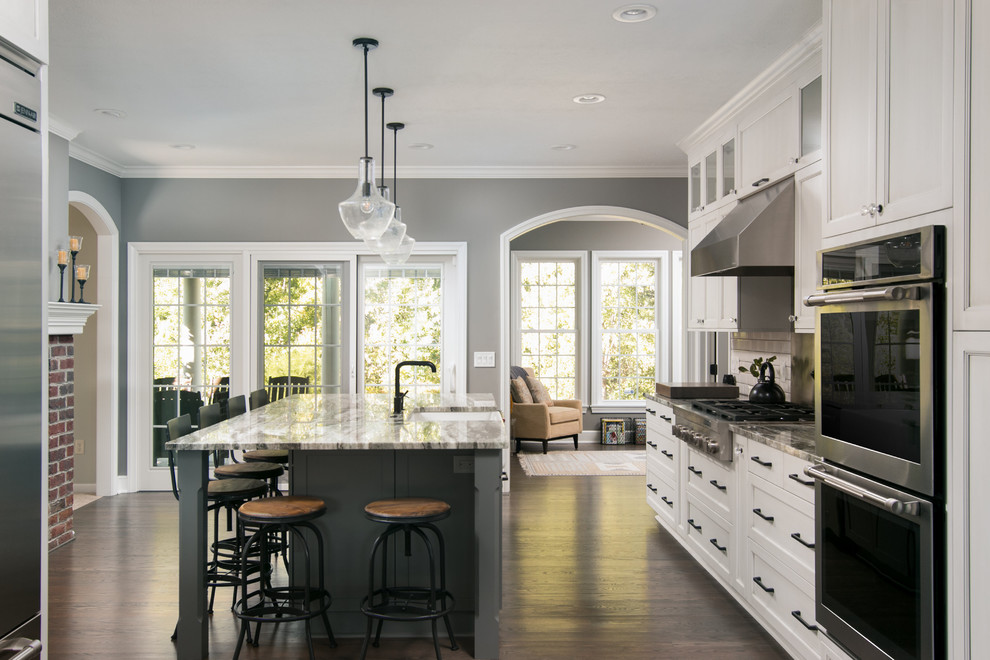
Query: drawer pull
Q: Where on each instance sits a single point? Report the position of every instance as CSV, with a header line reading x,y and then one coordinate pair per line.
x,y
763,515
650,486
665,418
670,503
667,454
759,582
694,470
760,182
651,411
756,459
810,483
651,443
715,483
696,527
797,537
720,548
810,626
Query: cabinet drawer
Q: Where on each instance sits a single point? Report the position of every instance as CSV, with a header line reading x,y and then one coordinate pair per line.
x,y
712,482
661,495
786,601
711,536
659,416
796,481
765,461
666,450
786,531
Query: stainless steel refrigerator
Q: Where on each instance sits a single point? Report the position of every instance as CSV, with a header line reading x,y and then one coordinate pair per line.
x,y
22,356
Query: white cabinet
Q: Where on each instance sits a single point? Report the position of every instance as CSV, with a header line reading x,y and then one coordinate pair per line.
x,y
971,308
662,466
713,302
712,179
24,23
809,201
888,99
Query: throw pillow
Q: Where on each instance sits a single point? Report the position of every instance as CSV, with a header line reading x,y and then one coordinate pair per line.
x,y
539,392
517,372
520,391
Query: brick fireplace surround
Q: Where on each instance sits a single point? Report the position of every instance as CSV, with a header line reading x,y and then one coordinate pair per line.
x,y
61,448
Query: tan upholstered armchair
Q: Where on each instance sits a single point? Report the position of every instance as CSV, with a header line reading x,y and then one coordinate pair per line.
x,y
560,419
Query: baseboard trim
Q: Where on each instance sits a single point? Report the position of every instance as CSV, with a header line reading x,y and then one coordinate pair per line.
x,y
84,488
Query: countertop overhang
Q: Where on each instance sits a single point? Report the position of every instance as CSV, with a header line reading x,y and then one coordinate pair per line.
x,y
356,422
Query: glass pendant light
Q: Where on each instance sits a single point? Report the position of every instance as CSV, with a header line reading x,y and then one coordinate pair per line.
x,y
390,240
366,213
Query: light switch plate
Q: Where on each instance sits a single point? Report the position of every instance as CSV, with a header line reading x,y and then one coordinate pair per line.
x,y
484,358
463,464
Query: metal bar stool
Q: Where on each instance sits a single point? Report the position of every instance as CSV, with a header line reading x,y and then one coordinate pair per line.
x,y
408,515
296,602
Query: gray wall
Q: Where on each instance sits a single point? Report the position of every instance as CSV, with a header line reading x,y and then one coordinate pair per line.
x,y
473,210
596,235
58,211
85,348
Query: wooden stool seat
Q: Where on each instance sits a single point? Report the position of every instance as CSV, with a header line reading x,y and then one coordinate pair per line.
x,y
288,509
407,509
248,471
234,489
280,456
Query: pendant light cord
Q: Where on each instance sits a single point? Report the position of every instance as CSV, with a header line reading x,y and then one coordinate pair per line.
x,y
383,134
395,165
365,48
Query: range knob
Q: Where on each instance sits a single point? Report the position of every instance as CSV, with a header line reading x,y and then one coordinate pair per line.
x,y
678,431
711,446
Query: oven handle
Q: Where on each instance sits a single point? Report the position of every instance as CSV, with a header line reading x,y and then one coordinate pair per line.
x,y
892,504
865,295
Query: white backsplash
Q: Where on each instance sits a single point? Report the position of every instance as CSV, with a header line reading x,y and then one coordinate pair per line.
x,y
791,368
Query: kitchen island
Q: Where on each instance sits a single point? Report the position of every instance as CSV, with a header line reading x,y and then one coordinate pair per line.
x,y
349,450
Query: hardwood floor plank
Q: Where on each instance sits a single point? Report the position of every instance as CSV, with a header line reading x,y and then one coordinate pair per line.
x,y
587,574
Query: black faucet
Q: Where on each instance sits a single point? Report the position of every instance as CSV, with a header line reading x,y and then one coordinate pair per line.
x,y
399,396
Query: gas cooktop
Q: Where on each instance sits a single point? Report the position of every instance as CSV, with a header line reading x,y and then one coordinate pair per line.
x,y
746,411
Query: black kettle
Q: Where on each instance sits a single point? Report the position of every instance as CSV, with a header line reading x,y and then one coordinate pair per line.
x,y
766,390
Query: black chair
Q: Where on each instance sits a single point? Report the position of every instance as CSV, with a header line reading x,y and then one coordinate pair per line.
x,y
407,516
301,600
236,406
224,566
210,414
221,392
258,398
280,387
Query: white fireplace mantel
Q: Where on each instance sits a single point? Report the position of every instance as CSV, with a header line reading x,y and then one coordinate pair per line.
x,y
68,318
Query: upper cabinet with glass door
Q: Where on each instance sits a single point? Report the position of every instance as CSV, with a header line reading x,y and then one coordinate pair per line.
x,y
713,176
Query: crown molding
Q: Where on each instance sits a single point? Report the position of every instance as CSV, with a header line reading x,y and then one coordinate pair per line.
x,y
451,172
810,45
90,157
62,129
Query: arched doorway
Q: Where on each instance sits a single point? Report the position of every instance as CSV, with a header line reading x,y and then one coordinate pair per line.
x,y
582,213
96,386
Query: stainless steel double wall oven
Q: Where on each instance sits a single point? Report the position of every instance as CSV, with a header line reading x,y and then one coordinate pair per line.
x,y
880,424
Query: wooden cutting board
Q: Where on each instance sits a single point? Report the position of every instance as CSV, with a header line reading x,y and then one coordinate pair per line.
x,y
698,391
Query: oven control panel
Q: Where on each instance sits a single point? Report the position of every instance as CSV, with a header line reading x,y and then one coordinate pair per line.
x,y
704,440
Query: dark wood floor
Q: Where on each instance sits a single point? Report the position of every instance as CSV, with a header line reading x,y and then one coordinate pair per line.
x,y
587,574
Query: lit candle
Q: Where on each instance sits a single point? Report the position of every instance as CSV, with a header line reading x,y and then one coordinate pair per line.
x,y
75,243
82,273
63,257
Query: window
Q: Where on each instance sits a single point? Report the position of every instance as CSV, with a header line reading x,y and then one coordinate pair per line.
x,y
191,345
402,320
548,315
628,327
303,326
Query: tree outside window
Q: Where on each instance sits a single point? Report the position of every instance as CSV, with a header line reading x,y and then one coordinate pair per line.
x,y
548,320
629,328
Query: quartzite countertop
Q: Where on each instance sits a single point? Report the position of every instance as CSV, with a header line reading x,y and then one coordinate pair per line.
x,y
349,450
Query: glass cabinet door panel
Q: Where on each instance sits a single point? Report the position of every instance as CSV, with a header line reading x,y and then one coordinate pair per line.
x,y
711,178
811,117
729,167
695,186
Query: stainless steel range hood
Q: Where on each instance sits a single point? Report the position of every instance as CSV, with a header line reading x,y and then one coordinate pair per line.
x,y
755,238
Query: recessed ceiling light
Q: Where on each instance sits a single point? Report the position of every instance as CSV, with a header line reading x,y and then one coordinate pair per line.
x,y
564,147
421,146
183,147
634,13
110,112
588,99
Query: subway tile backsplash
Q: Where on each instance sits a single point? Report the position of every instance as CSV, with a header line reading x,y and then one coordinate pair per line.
x,y
792,368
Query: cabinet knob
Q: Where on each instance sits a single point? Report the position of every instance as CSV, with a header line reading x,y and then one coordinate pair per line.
x,y
871,210
732,320
792,318
700,321
732,192
795,161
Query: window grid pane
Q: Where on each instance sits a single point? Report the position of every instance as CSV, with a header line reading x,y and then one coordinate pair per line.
x,y
548,324
402,321
302,324
191,345
629,331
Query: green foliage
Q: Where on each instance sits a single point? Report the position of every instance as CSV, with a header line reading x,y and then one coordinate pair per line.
x,y
754,368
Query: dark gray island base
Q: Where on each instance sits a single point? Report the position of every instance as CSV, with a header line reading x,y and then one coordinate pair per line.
x,y
347,451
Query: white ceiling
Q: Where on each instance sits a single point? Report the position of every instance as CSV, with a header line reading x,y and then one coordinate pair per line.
x,y
268,86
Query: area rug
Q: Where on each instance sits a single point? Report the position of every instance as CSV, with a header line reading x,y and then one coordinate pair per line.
x,y
630,463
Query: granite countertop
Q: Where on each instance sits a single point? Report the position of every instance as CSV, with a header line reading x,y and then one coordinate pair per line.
x,y
797,438
352,421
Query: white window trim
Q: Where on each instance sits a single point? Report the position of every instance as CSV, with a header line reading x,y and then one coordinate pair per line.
x,y
661,310
243,258
580,257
